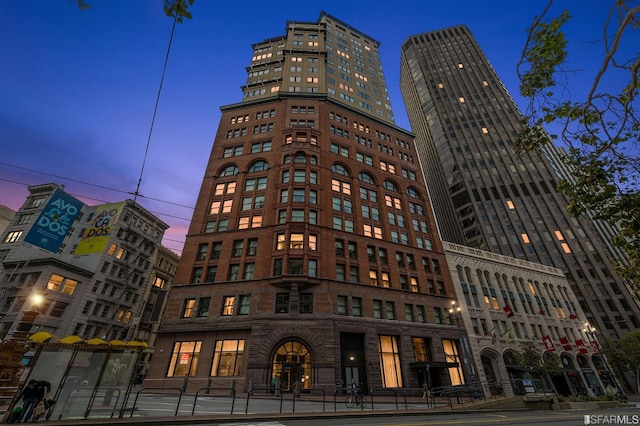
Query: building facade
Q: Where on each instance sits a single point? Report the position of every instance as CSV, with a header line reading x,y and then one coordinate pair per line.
x,y
103,293
485,194
507,303
312,258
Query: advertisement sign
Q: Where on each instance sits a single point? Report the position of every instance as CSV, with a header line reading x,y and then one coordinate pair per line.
x,y
97,235
51,227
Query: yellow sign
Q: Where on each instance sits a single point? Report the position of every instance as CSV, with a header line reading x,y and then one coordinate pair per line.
x,y
97,235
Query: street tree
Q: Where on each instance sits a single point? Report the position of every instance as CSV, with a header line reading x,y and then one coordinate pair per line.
x,y
600,131
625,353
546,364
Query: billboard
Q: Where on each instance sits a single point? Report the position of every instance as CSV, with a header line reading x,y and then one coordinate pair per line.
x,y
100,229
53,223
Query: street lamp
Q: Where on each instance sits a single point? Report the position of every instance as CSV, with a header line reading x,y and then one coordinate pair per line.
x,y
13,349
590,332
456,311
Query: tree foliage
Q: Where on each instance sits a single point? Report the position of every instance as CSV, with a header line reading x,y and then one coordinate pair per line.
x,y
178,9
625,353
532,356
600,131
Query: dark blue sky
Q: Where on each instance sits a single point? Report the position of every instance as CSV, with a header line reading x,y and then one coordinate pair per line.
x,y
78,88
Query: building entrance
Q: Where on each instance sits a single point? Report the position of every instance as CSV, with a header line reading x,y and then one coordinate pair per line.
x,y
292,366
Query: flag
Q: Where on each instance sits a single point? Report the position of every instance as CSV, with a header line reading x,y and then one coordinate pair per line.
x,y
595,346
581,347
565,344
507,310
548,344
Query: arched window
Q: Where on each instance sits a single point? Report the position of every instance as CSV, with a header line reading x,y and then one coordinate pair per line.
x,y
340,169
300,158
229,171
259,166
390,186
412,192
366,178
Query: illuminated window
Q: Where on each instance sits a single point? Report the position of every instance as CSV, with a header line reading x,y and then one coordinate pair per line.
x,y
510,205
559,235
525,238
13,236
62,284
440,86
296,241
461,99
460,66
227,358
390,362
451,355
485,130
566,248
228,303
184,359
188,309
373,278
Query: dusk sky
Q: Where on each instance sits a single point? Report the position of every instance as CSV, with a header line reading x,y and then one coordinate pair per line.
x,y
78,88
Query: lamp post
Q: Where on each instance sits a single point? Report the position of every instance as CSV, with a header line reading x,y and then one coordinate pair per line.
x,y
456,311
590,332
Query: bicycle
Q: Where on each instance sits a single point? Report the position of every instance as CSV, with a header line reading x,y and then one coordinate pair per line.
x,y
355,401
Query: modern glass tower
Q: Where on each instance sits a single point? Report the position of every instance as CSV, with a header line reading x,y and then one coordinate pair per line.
x,y
485,194
312,257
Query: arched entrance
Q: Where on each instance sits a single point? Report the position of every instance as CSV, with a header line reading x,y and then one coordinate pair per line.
x,y
573,375
291,366
490,366
590,376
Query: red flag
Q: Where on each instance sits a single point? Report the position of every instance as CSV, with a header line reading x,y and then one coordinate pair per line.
x,y
581,347
507,310
548,344
595,346
565,344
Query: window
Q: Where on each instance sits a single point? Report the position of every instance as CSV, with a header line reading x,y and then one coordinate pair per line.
x,y
203,307
188,308
227,358
62,284
234,272
356,306
259,166
253,184
249,270
225,188
202,251
228,303
229,171
211,274
390,310
390,362
237,248
184,359
408,312
244,304
282,303
13,236
377,308
252,247
58,309
306,303
217,248
451,355
295,266
342,305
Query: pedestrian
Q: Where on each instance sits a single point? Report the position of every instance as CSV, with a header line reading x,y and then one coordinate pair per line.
x,y
31,396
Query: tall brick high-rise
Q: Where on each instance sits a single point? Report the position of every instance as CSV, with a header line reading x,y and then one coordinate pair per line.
x,y
490,197
312,258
